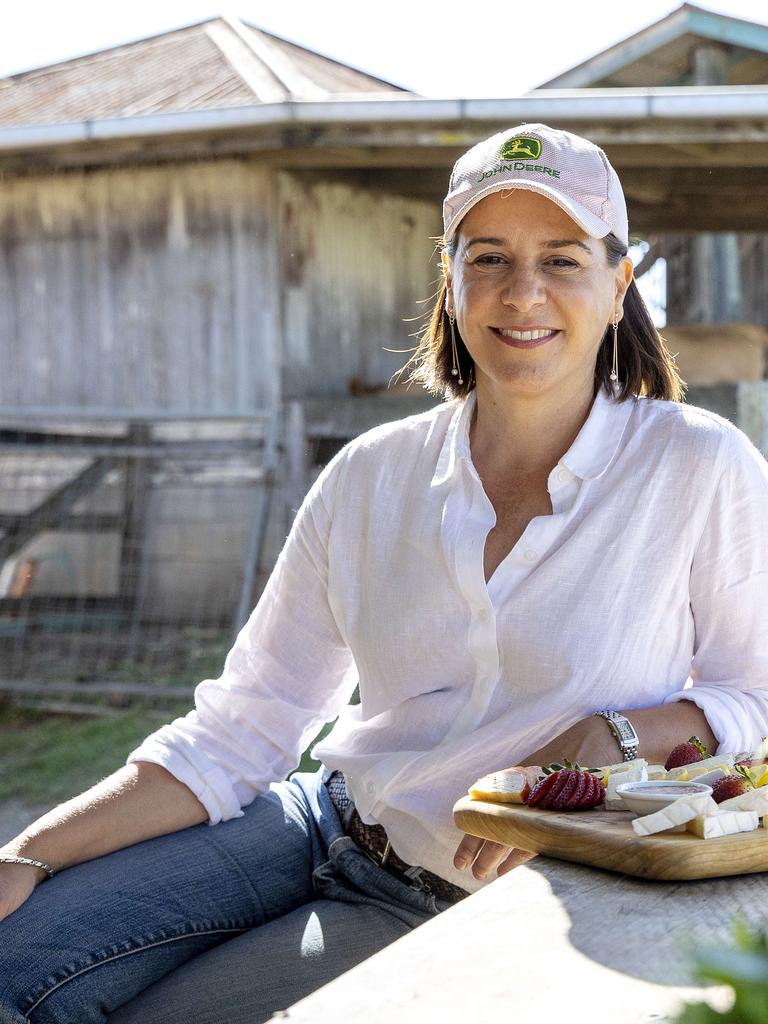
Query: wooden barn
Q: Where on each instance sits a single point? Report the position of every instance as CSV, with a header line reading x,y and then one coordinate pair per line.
x,y
212,240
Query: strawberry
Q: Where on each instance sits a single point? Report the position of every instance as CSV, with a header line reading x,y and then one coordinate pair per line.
x,y
567,787
686,753
732,785
583,789
559,801
541,789
751,762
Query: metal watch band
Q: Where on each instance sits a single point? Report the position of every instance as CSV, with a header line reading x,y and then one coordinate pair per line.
x,y
624,732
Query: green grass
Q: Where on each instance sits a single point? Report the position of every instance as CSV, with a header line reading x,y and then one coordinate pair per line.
x,y
45,759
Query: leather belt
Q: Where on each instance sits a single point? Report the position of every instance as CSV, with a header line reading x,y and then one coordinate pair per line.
x,y
373,841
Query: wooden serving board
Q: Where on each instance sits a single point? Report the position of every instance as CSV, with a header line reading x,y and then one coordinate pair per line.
x,y
606,839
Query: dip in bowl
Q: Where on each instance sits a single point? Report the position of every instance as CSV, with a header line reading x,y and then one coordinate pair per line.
x,y
647,797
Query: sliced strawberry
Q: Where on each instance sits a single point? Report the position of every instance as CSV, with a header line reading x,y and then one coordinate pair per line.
x,y
582,787
561,801
550,797
599,796
540,790
567,789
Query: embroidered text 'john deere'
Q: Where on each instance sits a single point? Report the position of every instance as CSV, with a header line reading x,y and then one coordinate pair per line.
x,y
518,166
521,148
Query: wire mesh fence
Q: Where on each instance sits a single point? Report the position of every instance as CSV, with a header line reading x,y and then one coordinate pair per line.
x,y
129,550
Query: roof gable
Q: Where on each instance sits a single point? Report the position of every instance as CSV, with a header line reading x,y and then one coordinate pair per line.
x,y
220,62
663,54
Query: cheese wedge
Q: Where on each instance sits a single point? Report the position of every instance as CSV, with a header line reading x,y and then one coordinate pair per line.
x,y
656,772
614,769
759,774
677,813
724,823
753,800
709,777
635,771
509,786
687,772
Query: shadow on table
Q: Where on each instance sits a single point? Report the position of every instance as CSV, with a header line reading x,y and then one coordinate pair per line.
x,y
649,929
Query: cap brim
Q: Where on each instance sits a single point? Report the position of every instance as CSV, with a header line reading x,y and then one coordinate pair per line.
x,y
586,220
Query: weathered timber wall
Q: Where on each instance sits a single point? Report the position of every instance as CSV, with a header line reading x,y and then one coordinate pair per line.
x,y
150,288
355,265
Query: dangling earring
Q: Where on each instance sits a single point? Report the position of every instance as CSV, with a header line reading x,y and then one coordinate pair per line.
x,y
615,366
455,371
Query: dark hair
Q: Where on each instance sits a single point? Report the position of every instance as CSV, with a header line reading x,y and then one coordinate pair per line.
x,y
646,366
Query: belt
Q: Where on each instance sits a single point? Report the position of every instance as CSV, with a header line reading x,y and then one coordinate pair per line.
x,y
373,841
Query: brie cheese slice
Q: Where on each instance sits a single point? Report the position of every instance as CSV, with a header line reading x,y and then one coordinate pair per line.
x,y
753,800
724,823
677,813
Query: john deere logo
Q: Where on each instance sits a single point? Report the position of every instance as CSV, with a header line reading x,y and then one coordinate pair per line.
x,y
521,146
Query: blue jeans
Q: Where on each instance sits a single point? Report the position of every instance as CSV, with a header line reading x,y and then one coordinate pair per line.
x,y
213,924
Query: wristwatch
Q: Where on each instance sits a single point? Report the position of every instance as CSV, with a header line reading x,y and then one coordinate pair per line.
x,y
624,732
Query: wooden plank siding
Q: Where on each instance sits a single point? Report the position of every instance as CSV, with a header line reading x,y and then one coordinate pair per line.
x,y
716,278
151,288
355,265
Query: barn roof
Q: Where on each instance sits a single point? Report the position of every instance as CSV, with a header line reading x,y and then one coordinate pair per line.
x,y
219,62
663,54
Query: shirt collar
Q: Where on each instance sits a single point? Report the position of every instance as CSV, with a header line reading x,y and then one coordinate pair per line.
x,y
596,443
456,443
588,457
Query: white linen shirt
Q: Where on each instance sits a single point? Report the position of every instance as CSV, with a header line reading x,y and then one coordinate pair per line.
x,y
648,583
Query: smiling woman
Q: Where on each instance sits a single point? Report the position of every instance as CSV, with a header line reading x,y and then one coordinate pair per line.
x,y
560,561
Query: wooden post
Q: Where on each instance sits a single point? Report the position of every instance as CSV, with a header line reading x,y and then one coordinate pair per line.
x,y
296,458
136,491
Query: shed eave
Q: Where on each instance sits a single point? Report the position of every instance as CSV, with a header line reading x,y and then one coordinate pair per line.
x,y
548,105
687,19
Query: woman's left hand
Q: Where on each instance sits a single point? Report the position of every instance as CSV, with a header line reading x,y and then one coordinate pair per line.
x,y
482,857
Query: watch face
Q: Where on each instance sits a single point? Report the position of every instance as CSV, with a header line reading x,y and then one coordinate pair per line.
x,y
626,731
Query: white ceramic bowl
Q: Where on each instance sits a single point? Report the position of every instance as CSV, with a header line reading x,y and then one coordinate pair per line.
x,y
647,797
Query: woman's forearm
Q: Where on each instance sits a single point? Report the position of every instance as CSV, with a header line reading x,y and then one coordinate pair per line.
x,y
140,801
592,743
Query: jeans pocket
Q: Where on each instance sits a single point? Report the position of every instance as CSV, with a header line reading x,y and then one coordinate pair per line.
x,y
349,875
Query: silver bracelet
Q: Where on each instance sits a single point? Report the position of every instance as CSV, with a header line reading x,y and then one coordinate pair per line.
x,y
6,858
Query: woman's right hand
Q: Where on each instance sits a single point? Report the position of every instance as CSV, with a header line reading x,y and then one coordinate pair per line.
x,y
17,883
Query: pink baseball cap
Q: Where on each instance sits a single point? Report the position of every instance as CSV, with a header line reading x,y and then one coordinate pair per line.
x,y
569,170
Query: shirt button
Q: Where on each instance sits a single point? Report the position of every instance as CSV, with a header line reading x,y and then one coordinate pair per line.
x,y
530,556
370,787
484,615
564,475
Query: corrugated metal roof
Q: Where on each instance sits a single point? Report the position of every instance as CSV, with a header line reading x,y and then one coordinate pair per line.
x,y
219,62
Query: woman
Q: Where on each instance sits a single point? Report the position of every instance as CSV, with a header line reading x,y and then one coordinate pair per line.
x,y
500,576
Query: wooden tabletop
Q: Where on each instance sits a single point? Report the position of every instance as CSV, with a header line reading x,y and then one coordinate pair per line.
x,y
548,942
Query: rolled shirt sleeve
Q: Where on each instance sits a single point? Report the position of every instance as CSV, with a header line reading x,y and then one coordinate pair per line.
x,y
729,602
288,673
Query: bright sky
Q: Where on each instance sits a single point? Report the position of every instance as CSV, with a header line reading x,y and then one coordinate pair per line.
x,y
433,47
